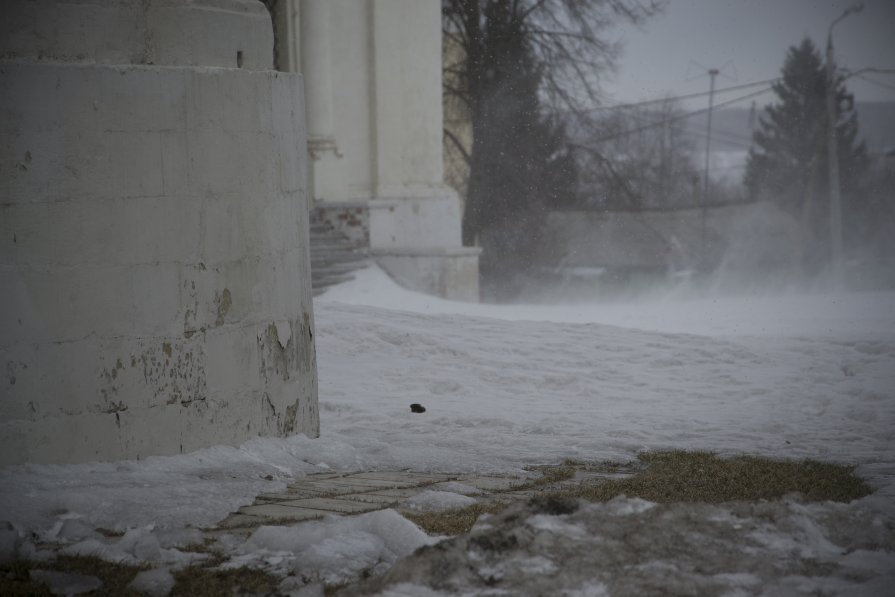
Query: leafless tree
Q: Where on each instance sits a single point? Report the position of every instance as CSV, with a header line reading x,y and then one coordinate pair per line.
x,y
517,71
652,165
572,39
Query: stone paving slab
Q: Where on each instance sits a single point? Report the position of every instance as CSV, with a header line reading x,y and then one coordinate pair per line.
x,y
489,484
330,493
333,506
277,511
287,495
338,494
398,495
384,501
238,520
404,476
360,483
321,488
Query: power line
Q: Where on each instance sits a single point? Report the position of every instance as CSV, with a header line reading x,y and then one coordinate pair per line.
x,y
701,133
688,128
687,96
875,82
721,134
680,116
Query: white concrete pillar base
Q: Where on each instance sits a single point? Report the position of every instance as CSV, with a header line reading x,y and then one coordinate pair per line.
x,y
448,273
156,288
411,222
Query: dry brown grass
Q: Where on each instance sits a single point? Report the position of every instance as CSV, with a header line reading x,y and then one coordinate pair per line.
x,y
680,476
455,521
16,580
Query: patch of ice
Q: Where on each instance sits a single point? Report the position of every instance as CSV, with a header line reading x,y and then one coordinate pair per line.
x,y
622,506
412,590
136,546
536,565
587,590
297,587
554,524
155,583
436,501
335,549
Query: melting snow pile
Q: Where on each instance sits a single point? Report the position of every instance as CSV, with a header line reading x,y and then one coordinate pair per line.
x,y
633,547
333,550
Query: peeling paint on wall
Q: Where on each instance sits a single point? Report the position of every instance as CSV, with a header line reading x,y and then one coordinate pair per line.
x,y
222,302
277,359
168,372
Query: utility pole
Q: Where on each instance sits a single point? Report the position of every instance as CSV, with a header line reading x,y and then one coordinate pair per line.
x,y
836,257
713,72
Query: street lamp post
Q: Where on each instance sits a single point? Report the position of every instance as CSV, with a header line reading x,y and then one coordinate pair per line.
x,y
836,256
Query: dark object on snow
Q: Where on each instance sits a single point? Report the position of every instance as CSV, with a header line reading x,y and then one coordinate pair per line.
x,y
417,408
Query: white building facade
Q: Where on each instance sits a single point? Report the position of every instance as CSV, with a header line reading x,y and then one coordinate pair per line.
x,y
372,72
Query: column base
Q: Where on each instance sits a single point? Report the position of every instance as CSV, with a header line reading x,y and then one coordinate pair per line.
x,y
447,273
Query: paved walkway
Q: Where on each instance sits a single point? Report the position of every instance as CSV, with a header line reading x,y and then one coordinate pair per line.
x,y
344,494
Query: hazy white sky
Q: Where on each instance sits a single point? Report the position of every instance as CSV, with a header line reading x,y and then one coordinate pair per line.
x,y
747,40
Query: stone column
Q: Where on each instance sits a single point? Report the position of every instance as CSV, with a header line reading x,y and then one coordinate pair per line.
x,y
316,64
286,24
155,292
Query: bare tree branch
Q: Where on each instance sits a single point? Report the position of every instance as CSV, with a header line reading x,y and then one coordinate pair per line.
x,y
458,145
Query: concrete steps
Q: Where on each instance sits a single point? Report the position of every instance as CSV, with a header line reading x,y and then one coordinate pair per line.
x,y
334,257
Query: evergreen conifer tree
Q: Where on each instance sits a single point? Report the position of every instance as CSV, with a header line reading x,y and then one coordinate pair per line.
x,y
788,162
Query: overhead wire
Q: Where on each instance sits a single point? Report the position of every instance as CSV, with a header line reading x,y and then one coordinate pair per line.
x,y
684,97
679,117
875,82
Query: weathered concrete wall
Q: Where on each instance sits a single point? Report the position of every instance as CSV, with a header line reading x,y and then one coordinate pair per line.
x,y
225,33
154,260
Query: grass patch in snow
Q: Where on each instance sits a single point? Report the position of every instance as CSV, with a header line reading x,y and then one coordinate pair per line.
x,y
681,476
551,475
15,579
200,580
207,582
678,476
455,521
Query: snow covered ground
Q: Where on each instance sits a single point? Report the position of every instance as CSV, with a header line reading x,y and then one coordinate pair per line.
x,y
509,386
